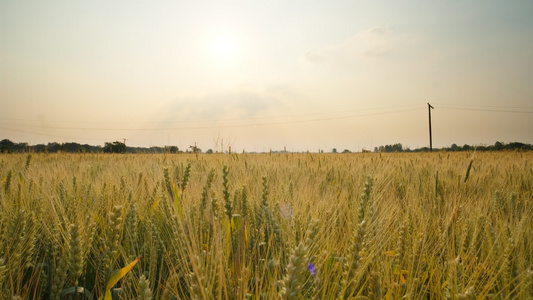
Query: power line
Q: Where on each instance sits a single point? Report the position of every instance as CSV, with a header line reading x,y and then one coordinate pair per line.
x,y
219,126
490,110
50,135
33,129
218,120
471,107
483,106
487,108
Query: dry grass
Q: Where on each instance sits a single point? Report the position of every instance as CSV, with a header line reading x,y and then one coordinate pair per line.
x,y
291,226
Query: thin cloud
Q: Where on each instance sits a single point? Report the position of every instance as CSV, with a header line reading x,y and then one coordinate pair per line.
x,y
377,41
238,103
374,42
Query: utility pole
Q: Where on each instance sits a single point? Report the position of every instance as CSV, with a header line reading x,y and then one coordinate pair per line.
x,y
430,139
194,148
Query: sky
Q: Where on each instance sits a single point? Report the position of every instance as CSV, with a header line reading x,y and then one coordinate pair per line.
x,y
260,75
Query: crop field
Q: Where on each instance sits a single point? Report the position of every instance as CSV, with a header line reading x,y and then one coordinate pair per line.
x,y
267,226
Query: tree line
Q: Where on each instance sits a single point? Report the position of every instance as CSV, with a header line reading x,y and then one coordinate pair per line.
x,y
7,146
498,146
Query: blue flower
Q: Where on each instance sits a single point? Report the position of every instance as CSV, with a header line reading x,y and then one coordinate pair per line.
x,y
311,268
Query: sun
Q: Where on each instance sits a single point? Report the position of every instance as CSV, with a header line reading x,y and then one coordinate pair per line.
x,y
223,46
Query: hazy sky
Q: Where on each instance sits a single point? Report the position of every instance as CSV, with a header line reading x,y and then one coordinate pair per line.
x,y
260,75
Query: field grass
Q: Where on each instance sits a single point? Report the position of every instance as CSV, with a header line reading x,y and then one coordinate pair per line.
x,y
260,226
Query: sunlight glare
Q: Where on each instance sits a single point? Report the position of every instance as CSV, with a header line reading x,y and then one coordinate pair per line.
x,y
222,46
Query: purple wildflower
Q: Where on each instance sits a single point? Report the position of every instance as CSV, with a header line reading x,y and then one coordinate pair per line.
x,y
311,268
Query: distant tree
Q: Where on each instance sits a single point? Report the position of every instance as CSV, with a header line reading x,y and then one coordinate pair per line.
x,y
173,149
156,149
397,147
209,151
53,147
390,148
108,147
334,150
115,147
467,147
517,146
454,147
498,146
483,147
71,147
346,151
39,148
7,146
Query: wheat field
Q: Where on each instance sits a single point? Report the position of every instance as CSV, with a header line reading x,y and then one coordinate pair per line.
x,y
267,226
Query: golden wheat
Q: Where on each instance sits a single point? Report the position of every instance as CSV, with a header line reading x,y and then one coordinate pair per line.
x,y
322,226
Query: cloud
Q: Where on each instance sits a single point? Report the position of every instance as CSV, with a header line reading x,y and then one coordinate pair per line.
x,y
238,103
377,41
316,56
371,43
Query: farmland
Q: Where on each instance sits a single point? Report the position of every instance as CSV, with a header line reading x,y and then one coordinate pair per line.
x,y
259,226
